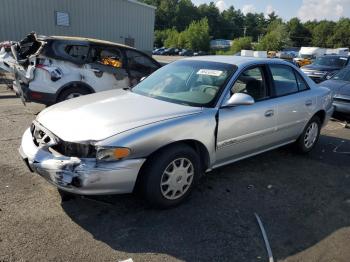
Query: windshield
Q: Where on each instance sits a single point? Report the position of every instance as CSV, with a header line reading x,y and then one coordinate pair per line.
x,y
343,75
334,61
189,82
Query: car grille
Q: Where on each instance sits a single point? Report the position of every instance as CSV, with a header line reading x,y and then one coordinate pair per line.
x,y
44,138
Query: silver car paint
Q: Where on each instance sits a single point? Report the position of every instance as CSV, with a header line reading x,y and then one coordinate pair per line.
x,y
241,131
99,116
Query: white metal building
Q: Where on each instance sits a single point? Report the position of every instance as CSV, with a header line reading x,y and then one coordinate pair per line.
x,y
122,21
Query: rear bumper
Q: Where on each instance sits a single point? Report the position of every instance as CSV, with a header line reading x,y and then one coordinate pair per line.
x,y
34,96
80,176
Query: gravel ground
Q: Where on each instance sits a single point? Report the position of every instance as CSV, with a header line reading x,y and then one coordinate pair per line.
x,y
303,201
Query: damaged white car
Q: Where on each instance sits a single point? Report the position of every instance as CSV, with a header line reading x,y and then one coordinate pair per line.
x,y
185,119
48,70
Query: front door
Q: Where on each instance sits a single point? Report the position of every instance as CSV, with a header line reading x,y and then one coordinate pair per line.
x,y
247,129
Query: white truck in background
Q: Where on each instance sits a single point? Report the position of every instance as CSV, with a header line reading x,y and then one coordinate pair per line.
x,y
308,54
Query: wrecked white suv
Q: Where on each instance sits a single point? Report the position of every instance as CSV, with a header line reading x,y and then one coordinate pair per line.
x,y
188,117
52,69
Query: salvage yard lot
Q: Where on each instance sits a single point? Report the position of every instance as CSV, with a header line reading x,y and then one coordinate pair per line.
x,y
303,201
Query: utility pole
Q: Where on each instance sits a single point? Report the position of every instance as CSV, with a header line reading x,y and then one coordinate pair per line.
x,y
245,31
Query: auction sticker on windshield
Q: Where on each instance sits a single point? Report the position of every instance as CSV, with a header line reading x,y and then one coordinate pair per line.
x,y
209,72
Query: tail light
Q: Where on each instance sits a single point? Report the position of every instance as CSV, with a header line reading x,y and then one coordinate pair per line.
x,y
54,72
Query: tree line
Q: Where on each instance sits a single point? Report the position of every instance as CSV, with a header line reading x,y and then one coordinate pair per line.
x,y
180,23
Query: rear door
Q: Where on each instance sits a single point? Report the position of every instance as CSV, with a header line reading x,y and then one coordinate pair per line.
x,y
247,129
294,101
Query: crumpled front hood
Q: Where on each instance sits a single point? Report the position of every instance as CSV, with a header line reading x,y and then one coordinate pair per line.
x,y
98,116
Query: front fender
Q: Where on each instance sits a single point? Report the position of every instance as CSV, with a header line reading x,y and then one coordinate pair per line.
x,y
145,140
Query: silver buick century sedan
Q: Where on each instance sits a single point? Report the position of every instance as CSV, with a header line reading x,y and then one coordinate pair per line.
x,y
185,119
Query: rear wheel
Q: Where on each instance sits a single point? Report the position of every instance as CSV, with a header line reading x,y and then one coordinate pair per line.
x,y
310,136
73,92
170,176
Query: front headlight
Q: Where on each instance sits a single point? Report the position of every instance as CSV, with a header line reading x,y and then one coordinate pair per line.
x,y
112,153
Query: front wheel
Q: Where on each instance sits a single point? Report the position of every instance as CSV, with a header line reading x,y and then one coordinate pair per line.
x,y
170,175
310,136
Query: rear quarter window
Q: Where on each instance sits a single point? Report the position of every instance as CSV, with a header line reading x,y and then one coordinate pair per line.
x,y
301,82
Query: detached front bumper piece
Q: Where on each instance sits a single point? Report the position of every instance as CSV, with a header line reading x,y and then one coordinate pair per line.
x,y
342,104
80,176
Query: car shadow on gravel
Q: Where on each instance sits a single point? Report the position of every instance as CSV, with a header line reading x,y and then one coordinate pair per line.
x,y
301,199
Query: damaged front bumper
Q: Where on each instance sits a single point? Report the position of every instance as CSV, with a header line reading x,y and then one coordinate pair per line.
x,y
77,175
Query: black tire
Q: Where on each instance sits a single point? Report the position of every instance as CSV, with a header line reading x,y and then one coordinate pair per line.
x,y
72,90
157,165
300,144
65,196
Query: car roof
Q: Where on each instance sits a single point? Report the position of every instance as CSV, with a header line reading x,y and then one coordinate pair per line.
x,y
84,39
239,61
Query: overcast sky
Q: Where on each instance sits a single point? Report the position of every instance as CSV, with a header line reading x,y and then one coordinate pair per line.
x,y
304,9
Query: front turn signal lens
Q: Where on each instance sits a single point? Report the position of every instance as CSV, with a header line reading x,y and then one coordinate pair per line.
x,y
122,152
112,153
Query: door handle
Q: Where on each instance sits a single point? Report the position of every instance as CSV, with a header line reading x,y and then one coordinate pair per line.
x,y
269,113
308,103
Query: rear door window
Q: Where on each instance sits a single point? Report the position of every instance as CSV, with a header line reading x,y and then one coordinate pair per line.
x,y
77,52
284,80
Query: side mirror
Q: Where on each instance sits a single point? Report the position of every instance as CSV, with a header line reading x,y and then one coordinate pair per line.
x,y
239,99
